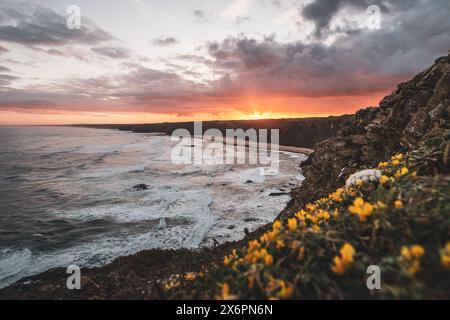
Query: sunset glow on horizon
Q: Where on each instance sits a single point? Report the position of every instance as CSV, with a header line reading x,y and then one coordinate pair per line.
x,y
281,109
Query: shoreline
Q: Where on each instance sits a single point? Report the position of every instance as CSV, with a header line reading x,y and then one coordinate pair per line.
x,y
54,278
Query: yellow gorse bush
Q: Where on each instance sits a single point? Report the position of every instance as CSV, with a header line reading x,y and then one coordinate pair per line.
x,y
262,267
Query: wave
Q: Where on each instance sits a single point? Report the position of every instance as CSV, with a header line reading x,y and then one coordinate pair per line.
x,y
12,263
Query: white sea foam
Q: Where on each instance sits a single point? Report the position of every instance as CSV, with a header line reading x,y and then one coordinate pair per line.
x,y
183,206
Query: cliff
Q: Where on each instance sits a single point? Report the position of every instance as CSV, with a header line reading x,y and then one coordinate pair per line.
x,y
405,119
305,132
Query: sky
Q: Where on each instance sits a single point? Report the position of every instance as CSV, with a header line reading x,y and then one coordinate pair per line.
x,y
149,61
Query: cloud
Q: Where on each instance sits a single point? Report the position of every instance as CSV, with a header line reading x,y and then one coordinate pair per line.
x,y
322,12
165,41
6,79
31,25
200,15
355,64
4,69
3,50
240,20
240,69
112,52
237,9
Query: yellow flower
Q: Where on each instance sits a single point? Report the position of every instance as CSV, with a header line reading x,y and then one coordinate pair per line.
x,y
337,195
445,256
268,260
279,244
311,207
395,162
406,253
191,276
292,224
226,261
253,245
384,179
344,261
401,172
264,238
417,250
361,208
338,266
225,293
410,258
382,165
347,252
398,204
270,236
276,225
398,157
263,253
286,291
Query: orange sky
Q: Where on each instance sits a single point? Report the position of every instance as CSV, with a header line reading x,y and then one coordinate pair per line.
x,y
244,108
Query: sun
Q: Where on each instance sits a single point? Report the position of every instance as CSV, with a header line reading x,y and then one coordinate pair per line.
x,y
256,115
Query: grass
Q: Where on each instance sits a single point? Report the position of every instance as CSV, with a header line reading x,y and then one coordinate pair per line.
x,y
400,223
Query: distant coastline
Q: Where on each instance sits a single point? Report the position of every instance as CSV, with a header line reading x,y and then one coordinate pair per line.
x,y
296,135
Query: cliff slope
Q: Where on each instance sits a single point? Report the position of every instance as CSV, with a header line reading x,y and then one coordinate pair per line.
x,y
404,120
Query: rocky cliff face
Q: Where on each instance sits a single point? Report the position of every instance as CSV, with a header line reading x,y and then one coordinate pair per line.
x,y
417,109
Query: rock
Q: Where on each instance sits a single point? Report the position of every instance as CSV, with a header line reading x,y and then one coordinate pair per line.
x,y
437,113
359,139
277,194
404,118
140,187
369,175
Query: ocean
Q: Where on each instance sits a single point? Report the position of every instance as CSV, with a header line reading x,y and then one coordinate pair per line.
x,y
67,197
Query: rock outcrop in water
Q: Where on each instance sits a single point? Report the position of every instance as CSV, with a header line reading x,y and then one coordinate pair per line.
x,y
417,109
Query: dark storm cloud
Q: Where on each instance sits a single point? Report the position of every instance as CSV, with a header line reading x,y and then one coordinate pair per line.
x,y
165,41
32,25
367,61
321,12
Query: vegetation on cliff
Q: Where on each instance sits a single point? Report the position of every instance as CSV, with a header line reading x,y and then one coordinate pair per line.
x,y
400,223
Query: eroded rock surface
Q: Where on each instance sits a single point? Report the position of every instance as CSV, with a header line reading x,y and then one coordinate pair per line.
x,y
417,109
